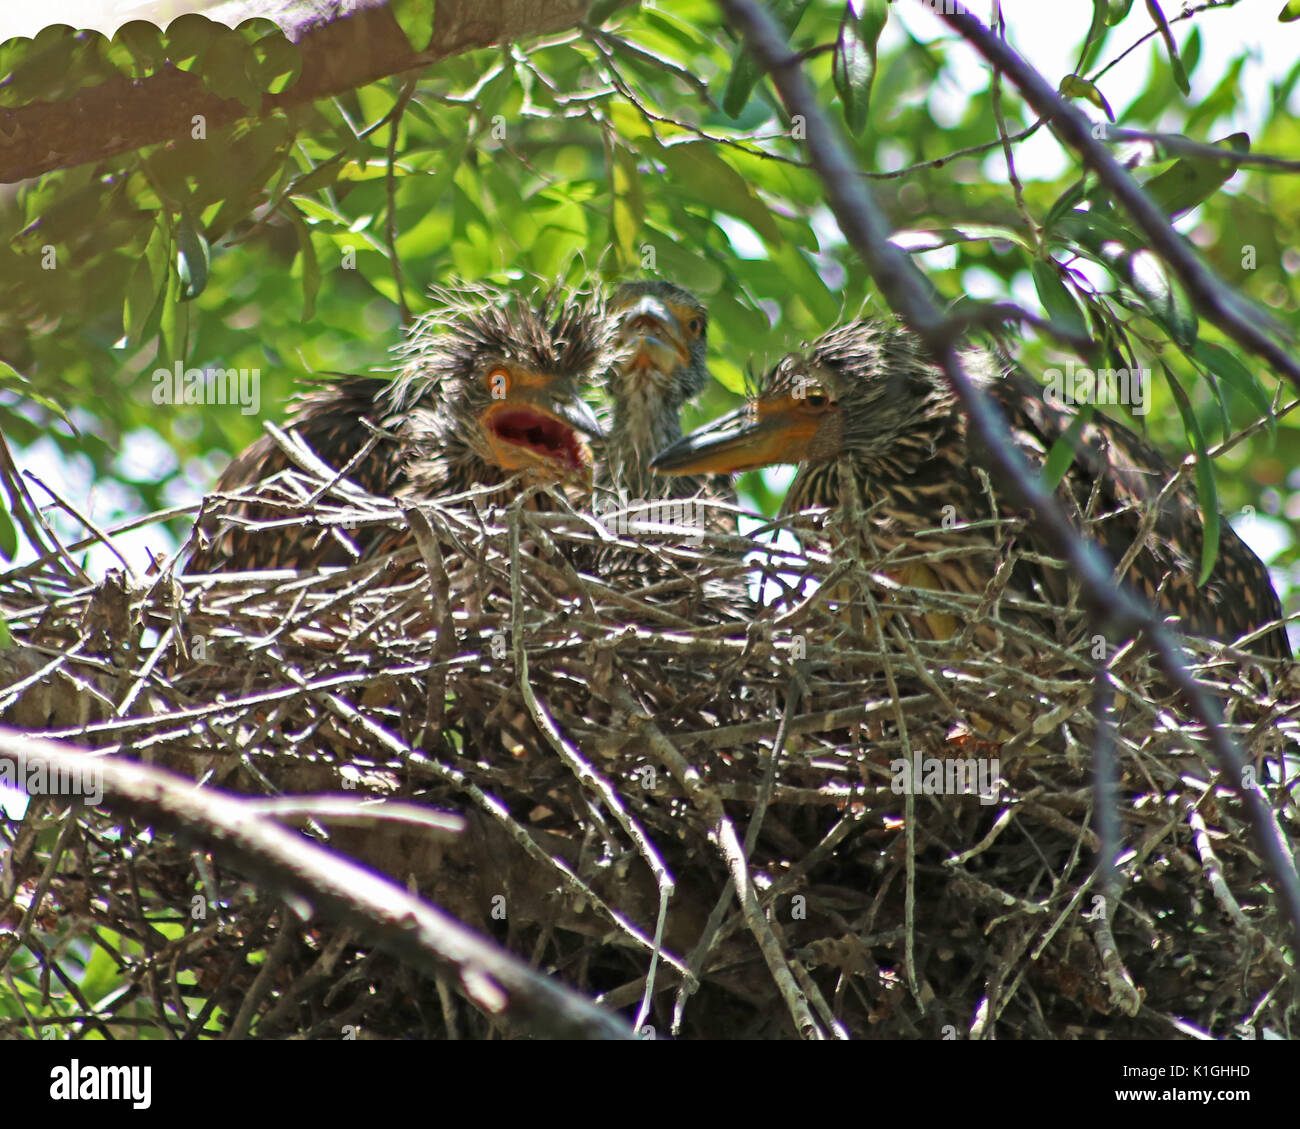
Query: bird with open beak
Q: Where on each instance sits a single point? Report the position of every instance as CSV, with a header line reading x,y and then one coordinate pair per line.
x,y
489,394
867,394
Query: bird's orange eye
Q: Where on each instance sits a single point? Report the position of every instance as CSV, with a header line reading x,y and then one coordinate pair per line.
x,y
816,399
498,382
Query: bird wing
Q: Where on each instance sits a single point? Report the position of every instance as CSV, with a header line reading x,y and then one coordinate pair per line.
x,y
329,419
1127,476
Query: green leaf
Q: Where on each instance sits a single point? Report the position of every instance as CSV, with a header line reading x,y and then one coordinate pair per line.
x,y
1057,300
8,547
1064,449
322,176
1092,229
494,92
672,260
1206,491
141,298
1232,372
1192,50
1290,13
707,178
1162,24
601,10
1116,10
192,257
1191,180
188,36
310,264
1072,86
10,375
627,199
1096,34
415,18
745,71
145,43
322,213
1146,275
225,70
1065,203
918,240
278,63
806,281
41,70
854,65
173,330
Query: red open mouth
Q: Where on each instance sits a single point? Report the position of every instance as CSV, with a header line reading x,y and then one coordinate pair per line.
x,y
540,434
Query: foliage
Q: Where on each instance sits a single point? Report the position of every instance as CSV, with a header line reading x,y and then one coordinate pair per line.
x,y
289,241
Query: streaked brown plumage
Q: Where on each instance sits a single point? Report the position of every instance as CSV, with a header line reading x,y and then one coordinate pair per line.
x,y
661,344
488,394
865,391
660,364
661,333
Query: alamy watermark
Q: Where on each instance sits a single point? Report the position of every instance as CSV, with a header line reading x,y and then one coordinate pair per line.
x,y
627,518
1130,388
947,776
181,385
40,776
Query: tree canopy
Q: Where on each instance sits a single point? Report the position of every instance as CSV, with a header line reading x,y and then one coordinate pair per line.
x,y
263,229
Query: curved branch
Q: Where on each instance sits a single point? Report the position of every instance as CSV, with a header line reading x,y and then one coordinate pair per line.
x,y
1211,295
1112,606
361,44
424,937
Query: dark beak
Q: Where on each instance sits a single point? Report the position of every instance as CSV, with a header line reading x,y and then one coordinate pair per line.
x,y
562,400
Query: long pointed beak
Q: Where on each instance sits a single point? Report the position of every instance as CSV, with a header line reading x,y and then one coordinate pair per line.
x,y
562,400
741,440
652,334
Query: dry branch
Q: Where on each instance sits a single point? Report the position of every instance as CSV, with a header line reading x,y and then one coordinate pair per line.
x,y
612,739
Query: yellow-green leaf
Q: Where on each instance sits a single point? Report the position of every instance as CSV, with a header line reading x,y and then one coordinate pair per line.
x,y
1073,86
415,18
1193,179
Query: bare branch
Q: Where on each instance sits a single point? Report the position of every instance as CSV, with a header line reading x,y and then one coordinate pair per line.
x,y
1114,608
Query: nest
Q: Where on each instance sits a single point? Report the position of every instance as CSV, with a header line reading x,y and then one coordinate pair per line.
x,y
717,815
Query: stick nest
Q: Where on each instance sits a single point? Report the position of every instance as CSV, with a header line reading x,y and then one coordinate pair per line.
x,y
633,739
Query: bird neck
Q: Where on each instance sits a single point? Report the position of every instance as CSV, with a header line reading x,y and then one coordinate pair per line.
x,y
644,423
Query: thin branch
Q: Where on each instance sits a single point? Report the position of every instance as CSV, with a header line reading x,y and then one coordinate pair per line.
x,y
1217,301
864,225
427,938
